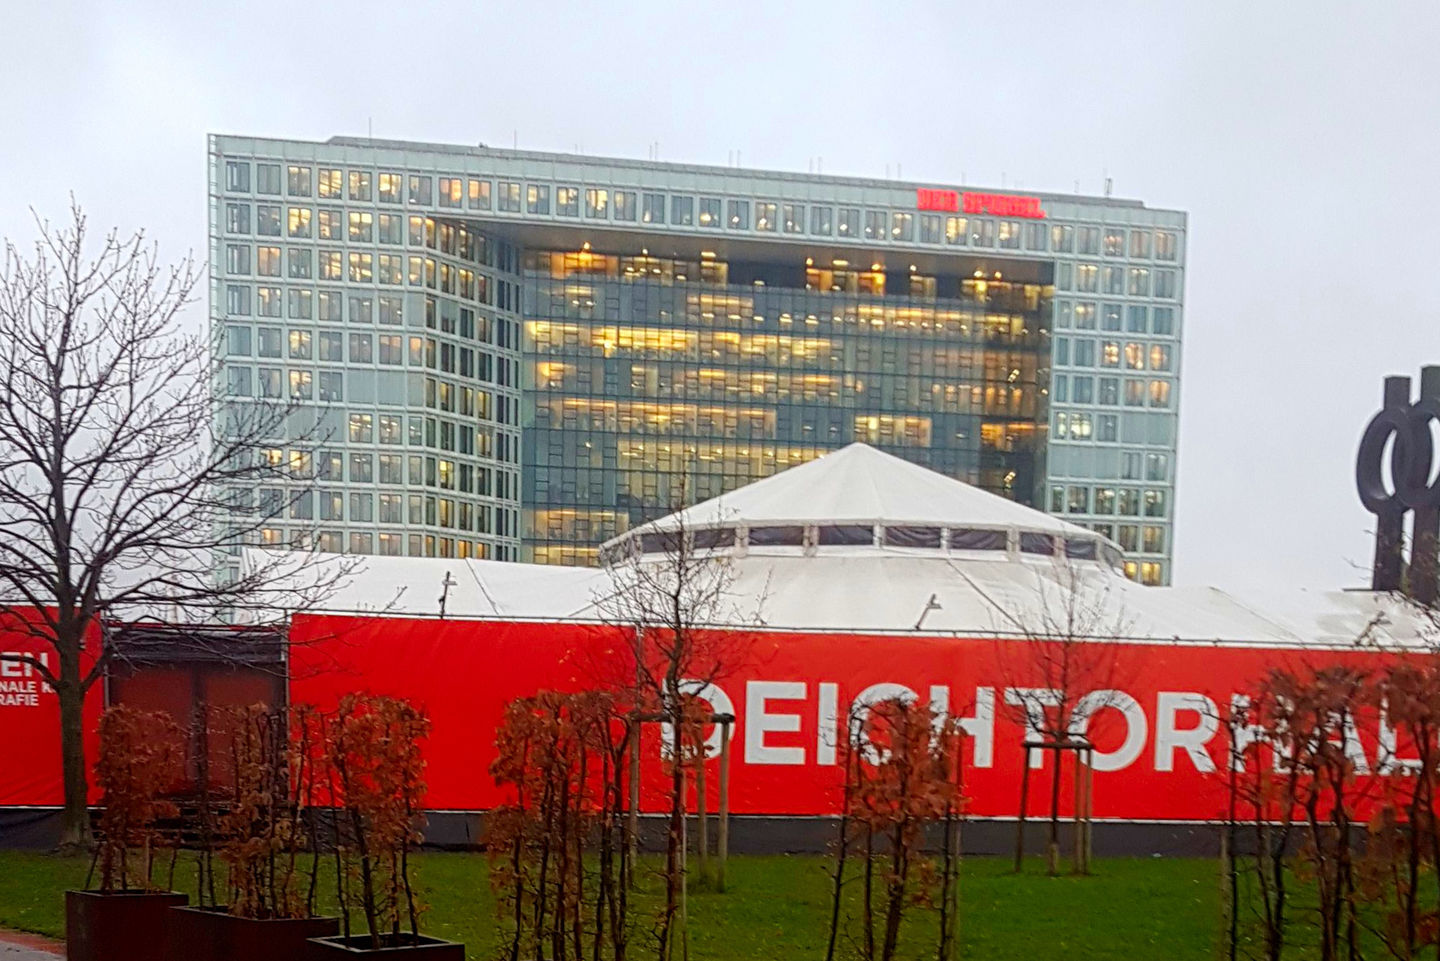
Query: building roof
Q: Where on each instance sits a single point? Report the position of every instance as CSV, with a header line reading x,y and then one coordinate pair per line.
x,y
877,588
859,483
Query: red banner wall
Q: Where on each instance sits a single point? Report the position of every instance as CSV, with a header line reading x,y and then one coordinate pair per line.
x,y
30,716
1158,755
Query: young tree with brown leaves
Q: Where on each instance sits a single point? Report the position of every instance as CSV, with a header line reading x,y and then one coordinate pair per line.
x,y
122,475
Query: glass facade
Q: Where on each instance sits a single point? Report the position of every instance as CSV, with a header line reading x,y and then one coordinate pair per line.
x,y
517,353
652,383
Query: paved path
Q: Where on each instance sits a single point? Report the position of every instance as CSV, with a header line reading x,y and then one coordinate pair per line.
x,y
15,946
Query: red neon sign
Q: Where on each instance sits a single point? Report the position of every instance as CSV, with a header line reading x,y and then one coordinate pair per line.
x,y
998,205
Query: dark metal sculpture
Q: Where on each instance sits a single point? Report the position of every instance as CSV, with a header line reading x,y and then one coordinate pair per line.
x,y
1404,426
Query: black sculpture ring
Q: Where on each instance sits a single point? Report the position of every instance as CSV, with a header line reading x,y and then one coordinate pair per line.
x,y
1411,457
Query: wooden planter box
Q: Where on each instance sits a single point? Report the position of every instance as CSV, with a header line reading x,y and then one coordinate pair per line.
x,y
358,946
211,934
120,926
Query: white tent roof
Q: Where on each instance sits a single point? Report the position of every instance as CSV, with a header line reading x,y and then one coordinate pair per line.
x,y
883,590
860,483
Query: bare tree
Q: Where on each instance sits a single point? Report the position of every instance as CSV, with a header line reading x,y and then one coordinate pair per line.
x,y
124,478
671,597
1065,667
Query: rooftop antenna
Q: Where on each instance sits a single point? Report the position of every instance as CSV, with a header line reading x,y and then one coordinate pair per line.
x,y
931,605
445,586
1109,186
516,133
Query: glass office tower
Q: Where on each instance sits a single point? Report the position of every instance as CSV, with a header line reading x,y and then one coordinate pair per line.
x,y
521,354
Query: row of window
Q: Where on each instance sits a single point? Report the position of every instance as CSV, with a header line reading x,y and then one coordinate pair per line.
x,y
1103,428
1085,278
651,207
1132,318
384,543
1125,501
1132,355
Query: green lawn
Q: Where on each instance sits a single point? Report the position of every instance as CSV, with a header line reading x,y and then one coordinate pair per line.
x,y
778,907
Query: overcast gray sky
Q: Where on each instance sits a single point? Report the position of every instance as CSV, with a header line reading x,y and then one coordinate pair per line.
x,y
1301,137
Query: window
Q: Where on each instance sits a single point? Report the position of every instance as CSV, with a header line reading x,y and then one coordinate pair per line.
x,y
301,263
1032,543
301,304
1085,353
737,214
567,201
874,225
1087,278
1139,285
301,384
299,221
1084,390
1062,238
362,468
1009,236
1137,319
765,216
297,181
1159,393
930,228
361,268
1140,243
1165,321
1088,240
1085,316
625,205
330,343
1134,393
1135,356
1077,500
1153,543
597,203
1154,503
1114,242
1107,428
330,265
792,218
1035,236
237,218
362,224
331,385
982,233
392,349
267,301
238,381
1157,467
1128,502
269,380
361,349
682,211
267,261
1114,279
1060,389
299,345
709,211
821,220
849,223
1167,245
390,310
902,226
957,231
237,176
389,187
537,199
1109,391
1110,317
478,192
270,342
1062,351
267,179
237,341
328,224
420,189
652,208
329,183
1064,313
1159,356
452,191
360,185
1165,284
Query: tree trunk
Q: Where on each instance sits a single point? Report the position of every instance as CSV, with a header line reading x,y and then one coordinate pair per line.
x,y
75,819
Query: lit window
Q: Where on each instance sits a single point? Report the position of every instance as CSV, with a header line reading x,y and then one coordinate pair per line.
x,y
849,222
737,214
301,384
388,188
1062,238
709,211
874,225
1167,245
1009,234
329,183
1135,356
359,185
478,192
298,182
597,203
957,231
792,218
902,226
299,222
625,205
267,261
1139,282
1159,393
1159,356
652,208
567,201
765,213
